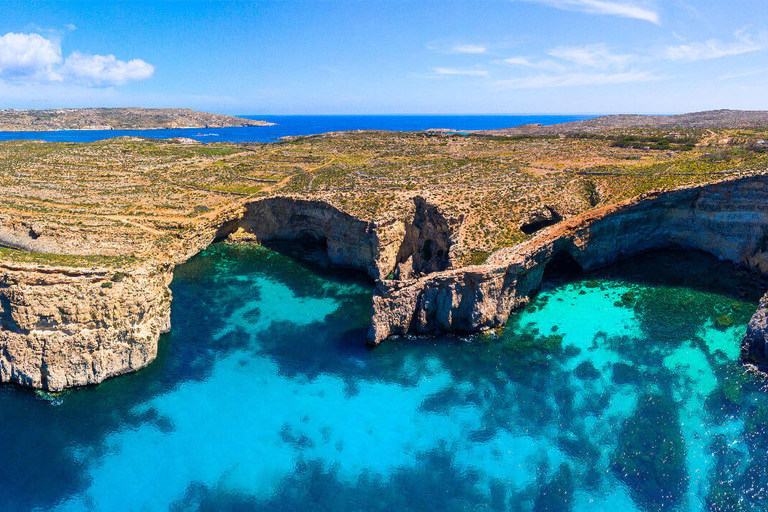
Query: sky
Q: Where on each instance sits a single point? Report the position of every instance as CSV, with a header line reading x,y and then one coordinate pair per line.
x,y
387,56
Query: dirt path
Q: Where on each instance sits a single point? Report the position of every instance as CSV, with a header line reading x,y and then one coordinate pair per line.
x,y
213,213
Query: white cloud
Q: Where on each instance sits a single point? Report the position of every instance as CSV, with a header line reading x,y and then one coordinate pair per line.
x,y
623,9
753,72
469,48
593,56
543,65
575,79
104,69
34,59
27,56
463,72
714,48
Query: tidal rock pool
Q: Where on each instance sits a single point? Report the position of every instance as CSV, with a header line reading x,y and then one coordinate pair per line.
x,y
615,391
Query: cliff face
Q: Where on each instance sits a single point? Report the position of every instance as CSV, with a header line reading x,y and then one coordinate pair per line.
x,y
349,242
754,346
727,219
420,243
64,327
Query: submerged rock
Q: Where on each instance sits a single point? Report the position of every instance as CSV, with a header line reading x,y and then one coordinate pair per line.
x,y
650,457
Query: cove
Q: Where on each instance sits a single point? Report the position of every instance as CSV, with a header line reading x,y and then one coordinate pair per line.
x,y
619,389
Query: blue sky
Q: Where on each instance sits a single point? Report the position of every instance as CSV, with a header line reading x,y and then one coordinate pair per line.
x,y
389,56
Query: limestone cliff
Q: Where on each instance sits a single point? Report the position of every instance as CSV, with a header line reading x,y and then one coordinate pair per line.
x,y
754,346
64,327
728,219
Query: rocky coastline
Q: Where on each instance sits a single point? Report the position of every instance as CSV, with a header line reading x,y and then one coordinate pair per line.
x,y
13,120
65,326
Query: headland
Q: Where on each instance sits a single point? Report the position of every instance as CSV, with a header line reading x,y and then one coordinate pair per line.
x,y
456,230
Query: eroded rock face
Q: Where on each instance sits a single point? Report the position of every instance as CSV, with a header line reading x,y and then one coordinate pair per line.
x,y
350,242
727,219
754,346
420,244
429,241
63,328
538,219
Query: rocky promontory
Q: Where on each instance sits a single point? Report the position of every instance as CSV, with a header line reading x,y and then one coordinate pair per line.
x,y
455,230
128,118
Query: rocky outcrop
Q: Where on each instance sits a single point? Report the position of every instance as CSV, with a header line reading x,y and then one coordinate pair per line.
x,y
754,346
349,242
429,243
420,244
63,327
538,219
728,219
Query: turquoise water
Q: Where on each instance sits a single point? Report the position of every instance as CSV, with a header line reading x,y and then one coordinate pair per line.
x,y
613,392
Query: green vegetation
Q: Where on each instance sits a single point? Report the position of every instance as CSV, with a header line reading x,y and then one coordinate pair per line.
x,y
659,143
477,257
144,195
64,260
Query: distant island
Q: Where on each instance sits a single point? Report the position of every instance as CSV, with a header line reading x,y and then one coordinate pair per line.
x,y
710,119
12,120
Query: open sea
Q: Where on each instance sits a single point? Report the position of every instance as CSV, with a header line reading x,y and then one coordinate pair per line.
x,y
305,125
613,391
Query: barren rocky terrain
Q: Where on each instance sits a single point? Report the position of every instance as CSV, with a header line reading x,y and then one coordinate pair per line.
x,y
455,229
707,120
116,119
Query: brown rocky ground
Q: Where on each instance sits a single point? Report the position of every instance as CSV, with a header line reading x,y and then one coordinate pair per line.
x,y
116,119
128,198
90,233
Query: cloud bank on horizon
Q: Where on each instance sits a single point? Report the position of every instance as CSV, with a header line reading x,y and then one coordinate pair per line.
x,y
430,56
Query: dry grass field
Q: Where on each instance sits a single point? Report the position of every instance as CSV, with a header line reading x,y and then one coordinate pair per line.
x,y
146,193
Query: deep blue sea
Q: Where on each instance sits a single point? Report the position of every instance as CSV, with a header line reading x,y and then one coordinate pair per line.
x,y
615,391
305,125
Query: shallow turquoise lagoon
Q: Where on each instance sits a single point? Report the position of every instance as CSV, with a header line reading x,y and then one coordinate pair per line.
x,y
619,391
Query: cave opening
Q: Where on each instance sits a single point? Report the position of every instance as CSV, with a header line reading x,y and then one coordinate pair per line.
x,y
667,267
562,266
307,249
540,220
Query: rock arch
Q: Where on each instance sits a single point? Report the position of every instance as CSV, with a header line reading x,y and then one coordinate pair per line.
x,y
728,219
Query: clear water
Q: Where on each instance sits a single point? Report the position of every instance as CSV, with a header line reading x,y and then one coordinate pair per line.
x,y
613,392
305,125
